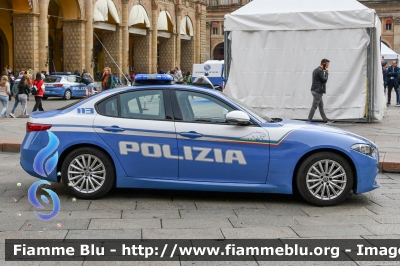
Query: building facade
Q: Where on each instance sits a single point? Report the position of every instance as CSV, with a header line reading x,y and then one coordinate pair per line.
x,y
143,36
387,10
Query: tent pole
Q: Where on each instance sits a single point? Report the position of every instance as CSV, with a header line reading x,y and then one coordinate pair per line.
x,y
371,76
227,54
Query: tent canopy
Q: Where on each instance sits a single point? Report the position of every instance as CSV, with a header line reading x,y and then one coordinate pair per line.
x,y
300,15
276,45
388,53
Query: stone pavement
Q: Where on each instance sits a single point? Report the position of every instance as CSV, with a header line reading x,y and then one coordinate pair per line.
x,y
158,214
385,133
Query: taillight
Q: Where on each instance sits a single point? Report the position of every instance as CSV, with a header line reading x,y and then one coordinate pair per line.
x,y
36,127
58,85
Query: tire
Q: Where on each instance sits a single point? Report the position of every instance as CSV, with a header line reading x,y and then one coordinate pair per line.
x,y
91,182
323,173
67,95
45,98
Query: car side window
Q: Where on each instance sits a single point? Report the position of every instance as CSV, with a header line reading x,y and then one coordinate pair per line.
x,y
77,79
71,79
109,107
146,104
198,107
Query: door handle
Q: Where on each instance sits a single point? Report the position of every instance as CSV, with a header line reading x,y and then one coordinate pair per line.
x,y
191,134
113,129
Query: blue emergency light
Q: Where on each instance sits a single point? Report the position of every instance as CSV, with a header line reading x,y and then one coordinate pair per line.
x,y
154,77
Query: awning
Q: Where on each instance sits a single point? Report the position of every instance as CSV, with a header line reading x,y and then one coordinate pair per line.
x,y
101,9
165,22
138,15
186,26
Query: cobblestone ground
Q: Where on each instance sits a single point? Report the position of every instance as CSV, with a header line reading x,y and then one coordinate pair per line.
x,y
149,214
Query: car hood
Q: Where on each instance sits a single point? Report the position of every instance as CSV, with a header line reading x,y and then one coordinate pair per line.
x,y
309,126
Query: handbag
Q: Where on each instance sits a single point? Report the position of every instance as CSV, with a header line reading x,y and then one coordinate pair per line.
x,y
34,90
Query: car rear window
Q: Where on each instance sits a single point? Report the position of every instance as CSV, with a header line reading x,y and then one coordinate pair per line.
x,y
52,79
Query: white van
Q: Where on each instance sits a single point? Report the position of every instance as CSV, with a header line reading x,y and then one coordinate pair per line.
x,y
212,69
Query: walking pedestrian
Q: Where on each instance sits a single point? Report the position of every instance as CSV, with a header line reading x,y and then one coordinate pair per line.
x,y
38,82
393,82
318,89
23,92
14,91
4,93
384,74
12,81
107,79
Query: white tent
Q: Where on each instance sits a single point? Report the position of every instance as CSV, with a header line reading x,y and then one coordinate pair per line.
x,y
387,53
276,45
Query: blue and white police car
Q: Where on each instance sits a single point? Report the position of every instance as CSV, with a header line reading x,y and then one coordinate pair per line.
x,y
66,86
162,135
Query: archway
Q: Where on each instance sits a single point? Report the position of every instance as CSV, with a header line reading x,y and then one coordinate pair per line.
x,y
66,30
218,53
166,42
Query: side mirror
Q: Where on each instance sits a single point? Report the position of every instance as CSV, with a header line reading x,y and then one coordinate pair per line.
x,y
238,117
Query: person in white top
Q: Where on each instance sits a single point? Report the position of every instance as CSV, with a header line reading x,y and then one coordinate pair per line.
x,y
4,94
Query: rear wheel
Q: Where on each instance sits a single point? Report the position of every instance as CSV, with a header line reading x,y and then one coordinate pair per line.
x,y
88,173
67,95
324,179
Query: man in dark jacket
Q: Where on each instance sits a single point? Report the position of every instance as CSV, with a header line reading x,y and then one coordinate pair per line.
x,y
318,88
384,74
393,82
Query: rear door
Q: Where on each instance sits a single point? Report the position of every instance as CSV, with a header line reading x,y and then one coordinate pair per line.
x,y
138,125
77,89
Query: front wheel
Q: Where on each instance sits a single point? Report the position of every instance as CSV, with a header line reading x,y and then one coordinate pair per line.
x,y
324,179
67,95
88,173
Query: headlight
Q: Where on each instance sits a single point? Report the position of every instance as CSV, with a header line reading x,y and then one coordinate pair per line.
x,y
364,148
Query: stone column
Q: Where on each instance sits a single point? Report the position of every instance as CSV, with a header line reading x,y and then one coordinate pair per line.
x,y
26,39
178,37
112,42
396,31
89,37
167,49
74,45
153,31
197,35
125,38
203,55
142,52
43,36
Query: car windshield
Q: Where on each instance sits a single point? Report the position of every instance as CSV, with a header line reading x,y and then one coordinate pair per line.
x,y
256,114
52,79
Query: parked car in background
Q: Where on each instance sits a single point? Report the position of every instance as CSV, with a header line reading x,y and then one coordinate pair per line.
x,y
67,86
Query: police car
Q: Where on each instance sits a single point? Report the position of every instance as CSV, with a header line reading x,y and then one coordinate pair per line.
x,y
67,86
161,135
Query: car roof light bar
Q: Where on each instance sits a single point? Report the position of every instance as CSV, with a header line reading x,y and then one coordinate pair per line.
x,y
154,77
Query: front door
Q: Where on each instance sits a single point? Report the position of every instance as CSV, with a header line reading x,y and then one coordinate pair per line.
x,y
212,150
136,126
